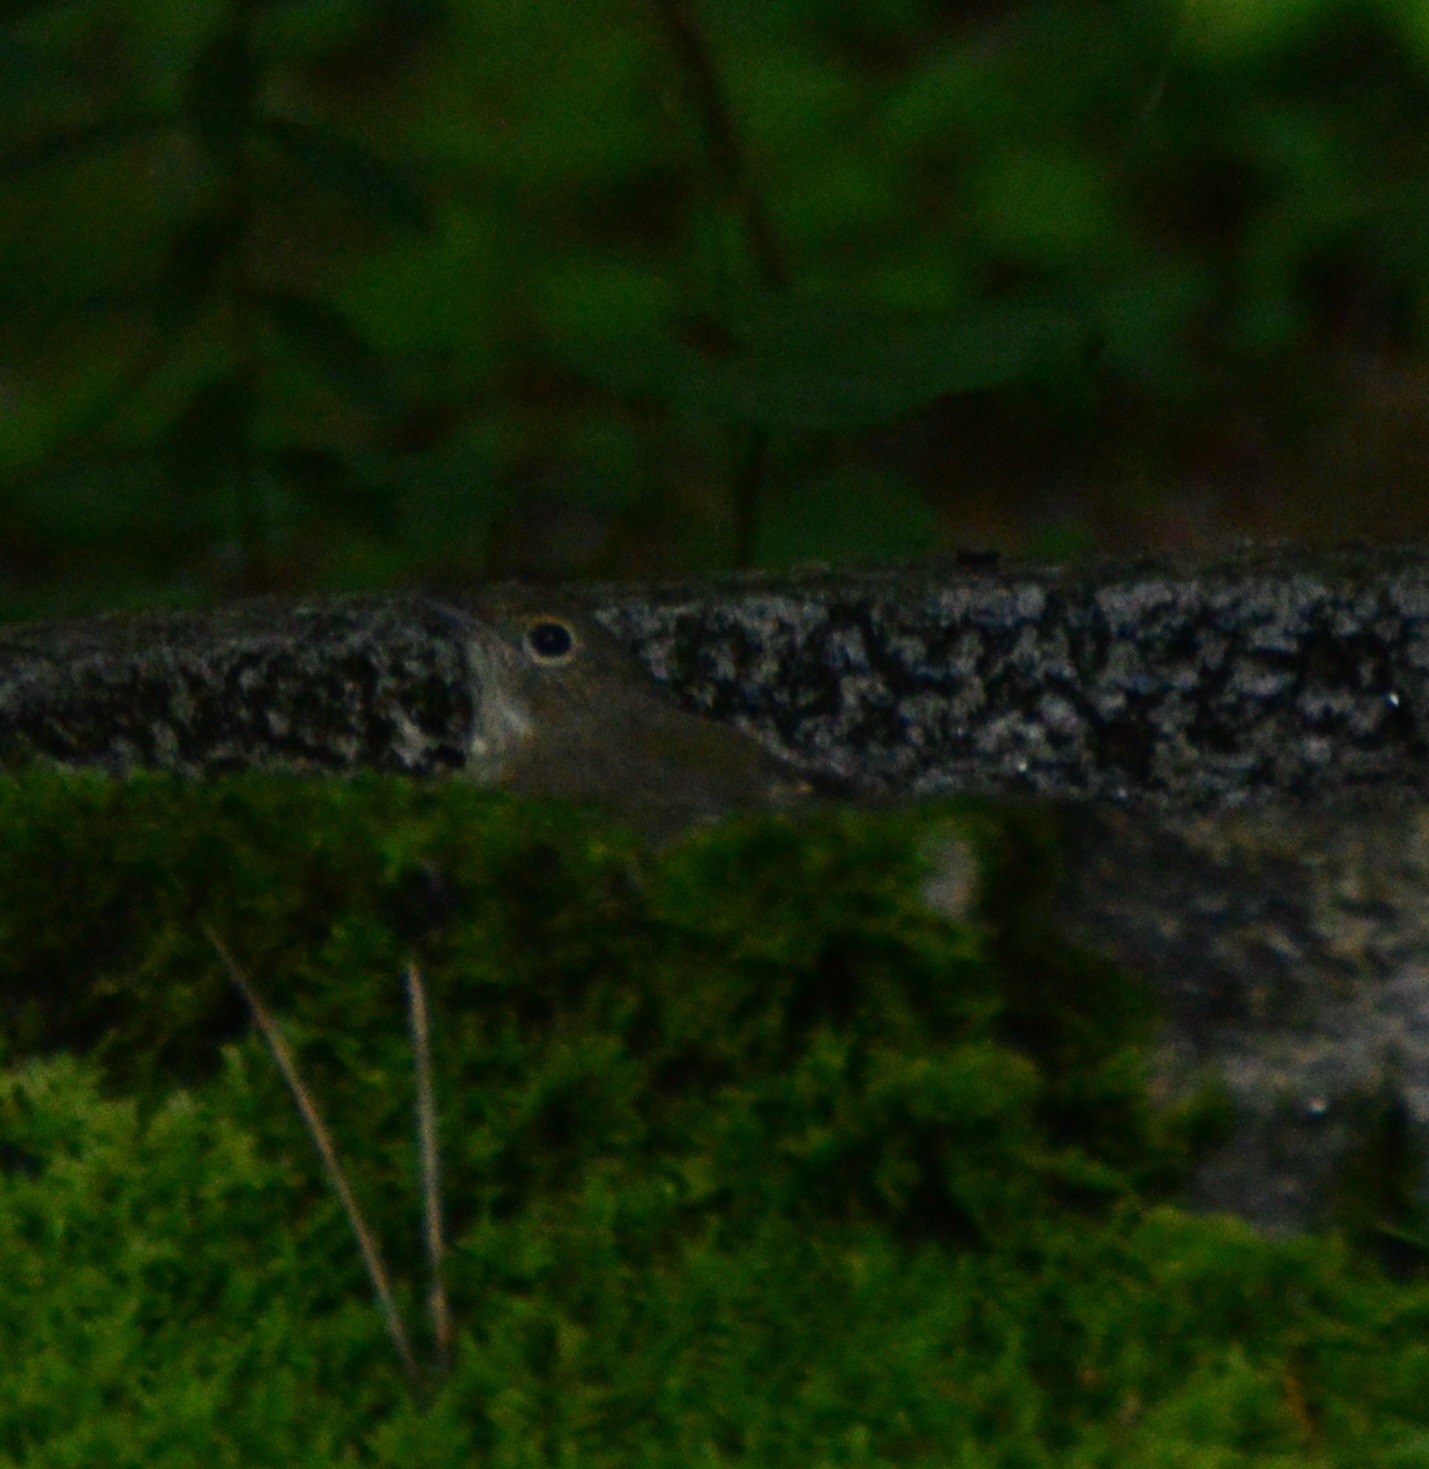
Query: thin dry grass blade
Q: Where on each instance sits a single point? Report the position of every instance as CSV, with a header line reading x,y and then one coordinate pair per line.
x,y
431,1165
322,1141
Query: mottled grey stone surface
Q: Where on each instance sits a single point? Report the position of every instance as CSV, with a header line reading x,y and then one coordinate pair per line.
x,y
1289,946
383,683
1275,673
1271,675
1241,751
410,684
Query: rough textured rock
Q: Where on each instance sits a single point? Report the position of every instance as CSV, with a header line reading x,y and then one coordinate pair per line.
x,y
1290,948
515,688
1242,749
1271,674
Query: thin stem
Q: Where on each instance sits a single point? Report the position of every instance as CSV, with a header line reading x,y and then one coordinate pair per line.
x,y
430,1164
322,1140
99,415
730,165
726,151
748,492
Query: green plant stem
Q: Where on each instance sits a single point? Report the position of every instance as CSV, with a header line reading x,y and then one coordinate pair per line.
x,y
722,140
730,166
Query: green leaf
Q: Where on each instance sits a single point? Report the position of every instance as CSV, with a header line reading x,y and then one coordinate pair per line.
x,y
195,257
848,517
329,483
210,442
17,10
348,169
90,501
70,145
220,92
334,350
831,367
26,75
827,366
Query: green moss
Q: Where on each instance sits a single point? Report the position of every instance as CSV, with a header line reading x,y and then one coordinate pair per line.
x,y
749,1157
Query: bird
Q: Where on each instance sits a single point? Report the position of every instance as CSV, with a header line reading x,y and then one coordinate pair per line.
x,y
567,711
508,686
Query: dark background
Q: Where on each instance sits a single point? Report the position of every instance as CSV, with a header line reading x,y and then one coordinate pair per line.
x,y
342,293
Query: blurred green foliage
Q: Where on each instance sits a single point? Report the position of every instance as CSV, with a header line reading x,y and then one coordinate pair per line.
x,y
749,1157
339,292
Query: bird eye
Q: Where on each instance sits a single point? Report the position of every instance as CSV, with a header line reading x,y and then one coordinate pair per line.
x,y
551,641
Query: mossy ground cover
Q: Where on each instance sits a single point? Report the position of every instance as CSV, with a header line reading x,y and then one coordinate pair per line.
x,y
749,1158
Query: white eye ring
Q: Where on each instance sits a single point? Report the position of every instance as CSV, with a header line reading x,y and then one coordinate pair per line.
x,y
551,641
